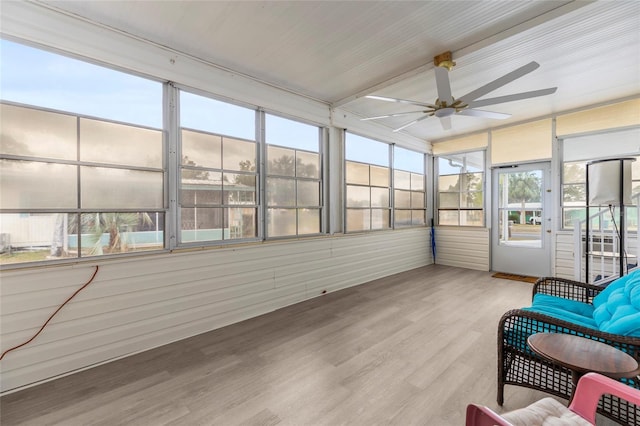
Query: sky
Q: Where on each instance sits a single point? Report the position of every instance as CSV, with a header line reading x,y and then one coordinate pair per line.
x,y
35,77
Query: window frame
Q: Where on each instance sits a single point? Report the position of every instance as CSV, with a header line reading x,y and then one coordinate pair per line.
x,y
78,210
459,209
225,207
593,209
392,225
424,191
321,180
561,161
346,185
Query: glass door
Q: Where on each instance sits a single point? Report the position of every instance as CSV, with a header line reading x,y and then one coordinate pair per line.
x,y
521,229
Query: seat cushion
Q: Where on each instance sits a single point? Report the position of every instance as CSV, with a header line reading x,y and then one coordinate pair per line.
x,y
545,412
565,309
546,300
620,283
619,313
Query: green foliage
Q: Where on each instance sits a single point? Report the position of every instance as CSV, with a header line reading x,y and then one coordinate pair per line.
x,y
524,187
113,224
574,173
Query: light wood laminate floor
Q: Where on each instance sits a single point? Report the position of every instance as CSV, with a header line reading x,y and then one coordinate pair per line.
x,y
412,348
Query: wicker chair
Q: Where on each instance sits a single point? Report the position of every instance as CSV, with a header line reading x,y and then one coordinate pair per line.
x,y
518,365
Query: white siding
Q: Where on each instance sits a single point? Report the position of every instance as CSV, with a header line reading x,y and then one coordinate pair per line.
x,y
139,303
463,247
564,255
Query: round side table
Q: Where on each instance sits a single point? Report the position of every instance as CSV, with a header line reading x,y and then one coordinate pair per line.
x,y
582,355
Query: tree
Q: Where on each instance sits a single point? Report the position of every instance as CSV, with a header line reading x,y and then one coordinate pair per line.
x,y
574,188
286,166
472,189
193,173
242,179
282,166
109,223
524,187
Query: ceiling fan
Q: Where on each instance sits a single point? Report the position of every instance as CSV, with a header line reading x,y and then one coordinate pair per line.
x,y
446,105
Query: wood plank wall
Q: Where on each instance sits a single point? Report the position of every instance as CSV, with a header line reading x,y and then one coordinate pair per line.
x,y
463,247
564,252
139,303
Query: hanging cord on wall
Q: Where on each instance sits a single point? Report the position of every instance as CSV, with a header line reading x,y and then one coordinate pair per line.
x,y
52,315
623,251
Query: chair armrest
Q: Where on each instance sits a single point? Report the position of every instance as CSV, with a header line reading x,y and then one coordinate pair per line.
x,y
591,387
478,415
523,323
565,288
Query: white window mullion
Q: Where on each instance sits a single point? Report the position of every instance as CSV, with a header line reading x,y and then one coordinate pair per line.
x,y
262,174
172,156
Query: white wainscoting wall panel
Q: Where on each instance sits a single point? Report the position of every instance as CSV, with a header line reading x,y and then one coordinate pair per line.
x,y
138,303
463,247
564,255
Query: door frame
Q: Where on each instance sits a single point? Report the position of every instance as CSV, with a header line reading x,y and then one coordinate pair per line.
x,y
546,215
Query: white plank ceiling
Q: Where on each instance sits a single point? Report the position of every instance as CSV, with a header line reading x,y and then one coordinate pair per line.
x,y
338,52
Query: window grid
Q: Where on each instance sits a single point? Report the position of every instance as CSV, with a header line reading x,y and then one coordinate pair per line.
x,y
409,198
574,191
123,177
294,192
367,197
461,195
218,201
75,189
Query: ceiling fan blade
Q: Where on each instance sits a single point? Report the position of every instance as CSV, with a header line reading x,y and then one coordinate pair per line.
x,y
401,101
484,114
446,123
411,123
495,84
443,85
393,115
511,98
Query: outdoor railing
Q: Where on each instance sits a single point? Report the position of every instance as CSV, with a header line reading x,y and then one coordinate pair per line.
x,y
597,255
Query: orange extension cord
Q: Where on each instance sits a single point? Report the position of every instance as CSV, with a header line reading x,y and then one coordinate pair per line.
x,y
52,315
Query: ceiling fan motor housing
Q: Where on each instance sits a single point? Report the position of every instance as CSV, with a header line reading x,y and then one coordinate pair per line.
x,y
445,112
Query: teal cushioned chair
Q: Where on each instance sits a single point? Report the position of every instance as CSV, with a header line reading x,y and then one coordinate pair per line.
x,y
610,315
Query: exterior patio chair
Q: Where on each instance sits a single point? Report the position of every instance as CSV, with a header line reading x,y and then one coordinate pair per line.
x,y
519,365
548,411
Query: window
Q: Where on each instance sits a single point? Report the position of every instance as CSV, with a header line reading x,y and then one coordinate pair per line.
x,y
293,178
367,184
218,175
460,189
408,188
81,159
577,152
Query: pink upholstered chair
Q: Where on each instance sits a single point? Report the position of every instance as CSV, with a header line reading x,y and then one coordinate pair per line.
x,y
581,411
